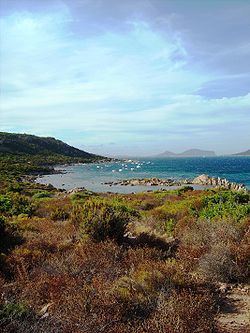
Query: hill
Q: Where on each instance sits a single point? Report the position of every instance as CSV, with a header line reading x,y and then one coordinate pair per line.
x,y
244,153
197,152
167,153
11,143
23,154
188,153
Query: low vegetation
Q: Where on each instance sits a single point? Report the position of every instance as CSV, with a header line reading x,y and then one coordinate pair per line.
x,y
146,262
24,154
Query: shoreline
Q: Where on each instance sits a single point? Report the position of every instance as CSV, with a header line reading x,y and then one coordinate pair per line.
x,y
52,171
203,180
141,184
107,176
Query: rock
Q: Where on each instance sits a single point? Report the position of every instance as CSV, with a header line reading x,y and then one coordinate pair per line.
x,y
202,180
206,180
76,190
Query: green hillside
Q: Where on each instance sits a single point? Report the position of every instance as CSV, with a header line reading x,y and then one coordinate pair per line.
x,y
33,145
23,154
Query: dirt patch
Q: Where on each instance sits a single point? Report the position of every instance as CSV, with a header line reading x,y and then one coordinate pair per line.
x,y
234,316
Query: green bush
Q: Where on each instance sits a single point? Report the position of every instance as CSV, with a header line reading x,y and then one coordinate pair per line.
x,y
15,204
226,204
81,196
42,194
138,294
184,189
101,220
229,196
169,226
15,187
59,214
13,311
5,204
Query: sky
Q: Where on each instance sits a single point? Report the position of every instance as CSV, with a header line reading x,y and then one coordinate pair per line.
x,y
134,77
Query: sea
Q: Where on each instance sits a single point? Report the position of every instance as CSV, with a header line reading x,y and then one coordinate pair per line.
x,y
93,176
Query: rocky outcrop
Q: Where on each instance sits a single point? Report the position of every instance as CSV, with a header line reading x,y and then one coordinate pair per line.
x,y
204,180
76,190
218,182
145,182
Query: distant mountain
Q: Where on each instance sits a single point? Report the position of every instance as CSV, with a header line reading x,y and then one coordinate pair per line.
x,y
167,154
188,153
244,153
197,152
19,144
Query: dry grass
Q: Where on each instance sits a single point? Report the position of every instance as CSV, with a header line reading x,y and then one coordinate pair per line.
x,y
60,282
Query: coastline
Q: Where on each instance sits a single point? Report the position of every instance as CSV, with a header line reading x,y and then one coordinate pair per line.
x,y
126,176
32,177
199,180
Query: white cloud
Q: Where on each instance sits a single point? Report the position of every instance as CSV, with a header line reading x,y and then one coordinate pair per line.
x,y
130,86
44,64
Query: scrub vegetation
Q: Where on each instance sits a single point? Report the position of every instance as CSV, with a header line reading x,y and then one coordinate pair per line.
x,y
145,262
24,154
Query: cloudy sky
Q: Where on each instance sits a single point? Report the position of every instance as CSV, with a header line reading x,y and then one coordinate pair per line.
x,y
127,77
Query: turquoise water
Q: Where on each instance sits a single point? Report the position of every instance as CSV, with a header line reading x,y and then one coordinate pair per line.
x,y
91,176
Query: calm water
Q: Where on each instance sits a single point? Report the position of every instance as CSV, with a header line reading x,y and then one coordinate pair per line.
x,y
90,176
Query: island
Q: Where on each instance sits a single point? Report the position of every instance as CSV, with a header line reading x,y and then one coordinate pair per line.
x,y
243,153
188,153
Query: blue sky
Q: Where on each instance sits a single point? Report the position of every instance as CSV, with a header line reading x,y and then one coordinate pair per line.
x,y
135,77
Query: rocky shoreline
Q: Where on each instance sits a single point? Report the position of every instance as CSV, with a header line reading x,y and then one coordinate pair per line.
x,y
200,180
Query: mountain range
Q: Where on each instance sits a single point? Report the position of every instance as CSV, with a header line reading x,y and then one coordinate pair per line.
x,y
188,153
21,144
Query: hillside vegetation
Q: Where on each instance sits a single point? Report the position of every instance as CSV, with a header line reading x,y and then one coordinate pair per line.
x,y
22,154
33,145
145,262
85,262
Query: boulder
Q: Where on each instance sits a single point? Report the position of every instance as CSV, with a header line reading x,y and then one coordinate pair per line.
x,y
202,180
76,190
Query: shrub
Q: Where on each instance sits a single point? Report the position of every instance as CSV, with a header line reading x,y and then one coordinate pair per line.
x,y
184,189
136,295
15,187
185,311
59,214
240,252
13,311
226,204
217,264
101,220
15,204
139,291
5,204
206,248
166,217
81,196
42,195
169,226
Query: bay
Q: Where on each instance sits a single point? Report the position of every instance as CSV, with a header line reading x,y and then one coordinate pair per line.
x,y
92,176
